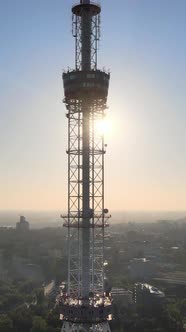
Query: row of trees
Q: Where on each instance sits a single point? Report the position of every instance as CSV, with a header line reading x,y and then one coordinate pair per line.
x,y
27,309
43,249
24,320
164,318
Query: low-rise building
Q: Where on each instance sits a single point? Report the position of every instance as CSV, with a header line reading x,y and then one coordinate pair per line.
x,y
148,295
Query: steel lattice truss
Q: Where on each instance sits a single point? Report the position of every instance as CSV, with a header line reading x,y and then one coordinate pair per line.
x,y
95,37
85,306
74,218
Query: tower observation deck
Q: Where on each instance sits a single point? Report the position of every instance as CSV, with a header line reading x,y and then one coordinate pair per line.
x,y
84,306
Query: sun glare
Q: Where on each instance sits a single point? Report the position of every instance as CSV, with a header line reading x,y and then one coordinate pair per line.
x,y
103,127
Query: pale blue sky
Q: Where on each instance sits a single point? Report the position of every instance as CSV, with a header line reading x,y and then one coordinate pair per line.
x,y
143,43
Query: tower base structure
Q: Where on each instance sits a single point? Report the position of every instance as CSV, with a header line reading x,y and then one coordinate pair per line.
x,y
85,316
82,327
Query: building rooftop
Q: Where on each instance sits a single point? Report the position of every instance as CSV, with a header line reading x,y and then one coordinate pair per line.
x,y
151,289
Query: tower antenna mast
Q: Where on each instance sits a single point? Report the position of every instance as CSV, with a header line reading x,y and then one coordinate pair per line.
x,y
85,306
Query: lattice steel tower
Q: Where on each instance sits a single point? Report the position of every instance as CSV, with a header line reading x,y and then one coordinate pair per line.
x,y
84,306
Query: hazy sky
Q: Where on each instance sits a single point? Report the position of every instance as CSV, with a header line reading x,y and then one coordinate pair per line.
x,y
143,43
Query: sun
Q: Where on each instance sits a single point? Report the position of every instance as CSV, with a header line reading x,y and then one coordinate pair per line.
x,y
103,127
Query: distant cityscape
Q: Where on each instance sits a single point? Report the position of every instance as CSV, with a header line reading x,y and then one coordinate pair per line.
x,y
39,219
145,273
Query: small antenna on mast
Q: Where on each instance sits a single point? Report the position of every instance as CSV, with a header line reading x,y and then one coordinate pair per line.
x,y
85,2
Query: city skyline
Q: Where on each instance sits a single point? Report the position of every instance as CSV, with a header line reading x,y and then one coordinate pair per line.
x,y
143,45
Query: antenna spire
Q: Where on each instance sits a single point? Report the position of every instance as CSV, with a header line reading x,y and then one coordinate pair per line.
x,y
85,2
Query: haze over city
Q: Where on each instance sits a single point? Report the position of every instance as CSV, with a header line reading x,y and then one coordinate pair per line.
x,y
144,47
92,135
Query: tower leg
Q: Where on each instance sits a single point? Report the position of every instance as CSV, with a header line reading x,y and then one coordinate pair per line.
x,y
105,327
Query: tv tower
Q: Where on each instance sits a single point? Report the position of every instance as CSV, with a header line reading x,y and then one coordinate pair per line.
x,y
84,305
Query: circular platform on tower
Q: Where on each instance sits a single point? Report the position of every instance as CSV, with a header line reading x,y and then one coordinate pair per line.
x,y
92,7
85,84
